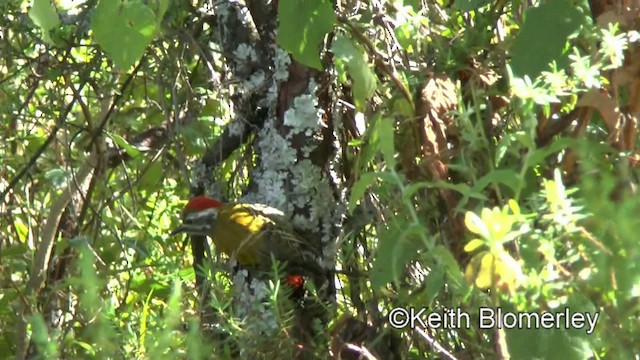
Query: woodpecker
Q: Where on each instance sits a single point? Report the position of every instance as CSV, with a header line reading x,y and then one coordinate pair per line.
x,y
253,235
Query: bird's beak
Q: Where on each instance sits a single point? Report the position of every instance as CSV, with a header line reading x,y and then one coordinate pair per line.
x,y
179,230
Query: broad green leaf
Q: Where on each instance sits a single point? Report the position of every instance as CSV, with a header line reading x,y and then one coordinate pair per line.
x,y
124,144
543,37
44,15
152,178
398,245
303,26
504,144
357,66
413,188
124,30
463,189
416,5
450,264
547,344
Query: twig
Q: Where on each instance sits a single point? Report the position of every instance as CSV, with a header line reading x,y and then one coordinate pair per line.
x,y
435,345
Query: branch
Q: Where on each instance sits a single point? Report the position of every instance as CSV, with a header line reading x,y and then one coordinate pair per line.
x,y
228,142
40,151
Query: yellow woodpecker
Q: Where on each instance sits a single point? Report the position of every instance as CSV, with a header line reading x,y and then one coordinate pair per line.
x,y
252,234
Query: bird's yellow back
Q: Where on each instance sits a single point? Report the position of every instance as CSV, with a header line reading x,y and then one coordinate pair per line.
x,y
238,234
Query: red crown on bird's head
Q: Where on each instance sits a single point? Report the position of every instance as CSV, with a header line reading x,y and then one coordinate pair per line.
x,y
201,202
201,207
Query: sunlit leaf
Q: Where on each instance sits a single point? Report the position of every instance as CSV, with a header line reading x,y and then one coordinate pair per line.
x,y
543,36
124,30
44,15
357,66
303,24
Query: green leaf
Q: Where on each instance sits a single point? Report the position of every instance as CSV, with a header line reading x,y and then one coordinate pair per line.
x,y
434,284
357,66
86,346
405,37
411,189
187,274
44,15
386,136
152,178
163,6
143,319
471,5
122,143
546,344
536,157
562,343
402,106
381,135
543,37
18,249
463,189
452,268
507,177
124,30
40,337
359,188
303,26
398,245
